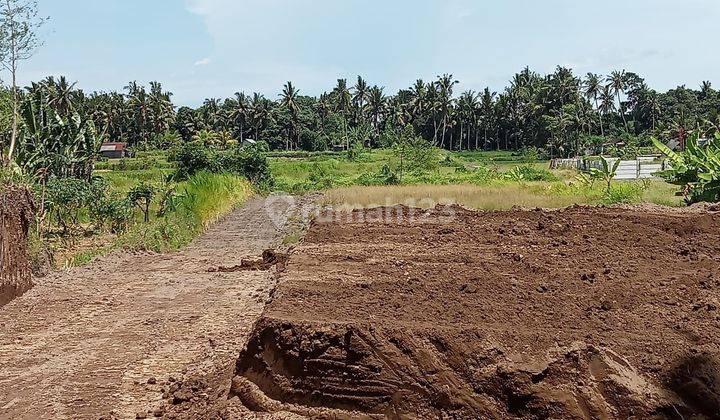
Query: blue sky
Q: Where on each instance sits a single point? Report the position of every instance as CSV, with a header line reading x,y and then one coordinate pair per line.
x,y
213,48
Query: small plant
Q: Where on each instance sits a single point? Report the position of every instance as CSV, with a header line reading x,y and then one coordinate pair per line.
x,y
413,153
606,173
624,193
169,200
320,177
529,155
142,196
357,152
585,180
528,173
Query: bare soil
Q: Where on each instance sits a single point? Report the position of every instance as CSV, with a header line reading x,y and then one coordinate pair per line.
x,y
17,208
578,313
135,335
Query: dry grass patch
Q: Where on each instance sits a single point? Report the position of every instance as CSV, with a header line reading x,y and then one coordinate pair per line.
x,y
486,197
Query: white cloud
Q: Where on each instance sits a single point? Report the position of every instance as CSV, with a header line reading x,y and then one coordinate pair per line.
x,y
203,62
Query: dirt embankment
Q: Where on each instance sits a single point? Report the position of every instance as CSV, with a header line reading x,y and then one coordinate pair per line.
x,y
579,313
16,214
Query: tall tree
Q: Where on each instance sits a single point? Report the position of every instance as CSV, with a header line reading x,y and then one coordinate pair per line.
x,y
618,83
342,106
359,99
289,101
19,22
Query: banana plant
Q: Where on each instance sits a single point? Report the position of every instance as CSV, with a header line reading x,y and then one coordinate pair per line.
x,y
53,145
696,169
606,173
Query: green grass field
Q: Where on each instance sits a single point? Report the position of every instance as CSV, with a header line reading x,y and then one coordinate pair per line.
x,y
481,180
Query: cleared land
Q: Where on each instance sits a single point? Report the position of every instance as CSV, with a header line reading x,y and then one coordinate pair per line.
x,y
576,313
131,333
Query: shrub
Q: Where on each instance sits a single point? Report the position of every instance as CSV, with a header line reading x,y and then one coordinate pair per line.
x,y
111,212
529,155
385,176
414,153
357,152
528,173
142,196
320,177
483,174
247,161
191,158
166,140
205,197
65,199
624,193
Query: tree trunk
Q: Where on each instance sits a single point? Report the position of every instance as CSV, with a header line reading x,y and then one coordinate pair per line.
x,y
622,112
13,136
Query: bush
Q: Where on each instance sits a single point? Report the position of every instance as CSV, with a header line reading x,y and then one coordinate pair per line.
x,y
66,199
111,212
528,173
192,158
624,193
142,196
413,153
385,176
320,177
166,140
529,155
484,174
247,161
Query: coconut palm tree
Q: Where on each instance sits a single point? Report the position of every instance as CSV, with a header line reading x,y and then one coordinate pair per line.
x,y
593,87
239,114
445,101
60,94
618,84
359,99
289,102
376,107
259,113
343,100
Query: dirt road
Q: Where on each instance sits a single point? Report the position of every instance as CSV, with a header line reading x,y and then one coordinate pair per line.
x,y
109,339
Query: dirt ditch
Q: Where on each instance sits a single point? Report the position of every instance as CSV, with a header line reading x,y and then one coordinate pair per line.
x,y
16,214
578,313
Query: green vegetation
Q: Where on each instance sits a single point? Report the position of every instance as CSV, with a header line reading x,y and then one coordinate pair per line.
x,y
697,169
606,172
202,199
189,165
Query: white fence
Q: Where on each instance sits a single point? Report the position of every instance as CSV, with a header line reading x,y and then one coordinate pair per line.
x,y
641,168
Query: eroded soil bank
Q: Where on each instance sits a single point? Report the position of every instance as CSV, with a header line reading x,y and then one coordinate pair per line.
x,y
578,313
16,214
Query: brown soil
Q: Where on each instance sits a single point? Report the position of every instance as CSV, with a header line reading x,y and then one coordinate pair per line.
x,y
137,334
16,213
577,313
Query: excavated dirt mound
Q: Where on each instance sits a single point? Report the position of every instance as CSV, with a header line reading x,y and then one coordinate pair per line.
x,y
578,313
16,214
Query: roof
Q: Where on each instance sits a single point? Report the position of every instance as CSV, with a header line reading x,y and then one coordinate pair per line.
x,y
112,147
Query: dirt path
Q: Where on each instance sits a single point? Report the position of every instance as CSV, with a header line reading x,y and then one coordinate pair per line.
x,y
108,339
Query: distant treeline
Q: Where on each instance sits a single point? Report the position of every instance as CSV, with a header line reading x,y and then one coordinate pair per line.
x,y
559,114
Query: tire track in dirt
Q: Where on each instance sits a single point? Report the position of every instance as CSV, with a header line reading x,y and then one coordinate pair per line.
x,y
108,339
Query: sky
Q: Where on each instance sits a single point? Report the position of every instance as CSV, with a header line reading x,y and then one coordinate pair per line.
x,y
213,48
